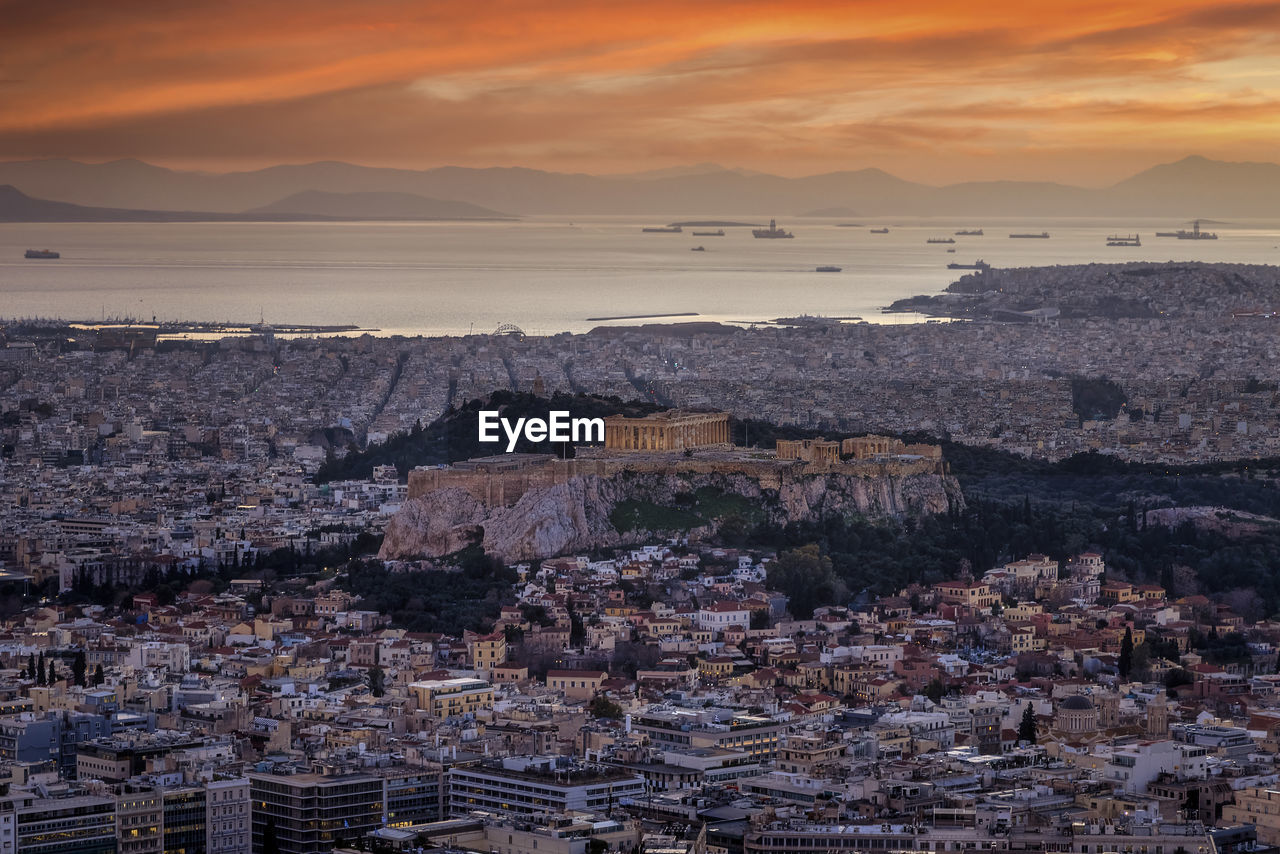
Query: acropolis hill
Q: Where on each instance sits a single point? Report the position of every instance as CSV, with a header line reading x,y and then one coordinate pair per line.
x,y
529,506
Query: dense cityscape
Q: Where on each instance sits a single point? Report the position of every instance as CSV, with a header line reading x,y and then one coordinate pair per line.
x,y
202,650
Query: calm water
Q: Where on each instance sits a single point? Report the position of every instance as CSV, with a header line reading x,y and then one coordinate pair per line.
x,y
545,276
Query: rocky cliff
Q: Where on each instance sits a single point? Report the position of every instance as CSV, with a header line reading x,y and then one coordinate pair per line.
x,y
628,508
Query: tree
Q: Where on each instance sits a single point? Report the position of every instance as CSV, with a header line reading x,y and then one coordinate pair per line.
x,y
1126,653
935,689
78,665
377,681
602,707
808,579
98,676
53,674
1027,727
31,666
41,678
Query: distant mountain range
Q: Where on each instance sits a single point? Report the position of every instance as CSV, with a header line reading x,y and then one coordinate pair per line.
x,y
308,206
373,206
1192,187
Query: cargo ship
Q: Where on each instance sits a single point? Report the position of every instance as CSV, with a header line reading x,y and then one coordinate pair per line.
x,y
1123,240
717,233
43,253
1044,235
941,240
772,231
879,231
1195,233
976,265
827,269
666,229
974,232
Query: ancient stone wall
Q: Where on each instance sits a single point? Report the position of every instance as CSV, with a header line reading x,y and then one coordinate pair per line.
x,y
503,488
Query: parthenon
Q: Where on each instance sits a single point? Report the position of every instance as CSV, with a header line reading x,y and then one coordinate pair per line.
x,y
674,430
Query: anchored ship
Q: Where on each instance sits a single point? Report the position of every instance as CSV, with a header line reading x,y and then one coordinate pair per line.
x,y
974,232
1044,235
879,231
828,269
941,240
771,231
717,233
42,253
1195,233
668,229
976,265
1124,240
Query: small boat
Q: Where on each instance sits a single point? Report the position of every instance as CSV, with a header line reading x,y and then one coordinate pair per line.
x,y
698,249
1044,235
941,240
718,233
666,229
827,269
951,251
43,253
969,232
879,231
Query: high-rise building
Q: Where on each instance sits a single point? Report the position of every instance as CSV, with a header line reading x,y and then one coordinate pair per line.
x,y
140,820
31,823
313,813
184,820
539,786
228,820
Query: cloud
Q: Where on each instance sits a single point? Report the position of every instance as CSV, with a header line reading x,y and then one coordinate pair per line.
x,y
811,85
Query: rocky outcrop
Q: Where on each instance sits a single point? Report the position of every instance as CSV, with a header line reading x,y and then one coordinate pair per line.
x,y
579,514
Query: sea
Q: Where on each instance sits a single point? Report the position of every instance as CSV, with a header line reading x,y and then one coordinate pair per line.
x,y
544,275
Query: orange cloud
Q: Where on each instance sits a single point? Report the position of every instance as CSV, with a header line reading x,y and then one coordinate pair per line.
x,y
805,86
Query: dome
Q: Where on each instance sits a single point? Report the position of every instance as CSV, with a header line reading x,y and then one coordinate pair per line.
x,y
1077,701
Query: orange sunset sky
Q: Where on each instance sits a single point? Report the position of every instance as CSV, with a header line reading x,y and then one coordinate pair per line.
x,y
1080,92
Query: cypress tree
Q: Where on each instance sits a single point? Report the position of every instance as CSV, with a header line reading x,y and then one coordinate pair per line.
x,y
1027,726
1126,654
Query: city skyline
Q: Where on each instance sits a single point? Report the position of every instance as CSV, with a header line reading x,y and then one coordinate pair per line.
x,y
1086,94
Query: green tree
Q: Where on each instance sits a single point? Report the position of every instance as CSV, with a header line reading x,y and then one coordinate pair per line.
x,y
602,707
98,676
377,681
935,689
808,579
1125,664
78,666
41,677
31,666
1027,726
53,674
